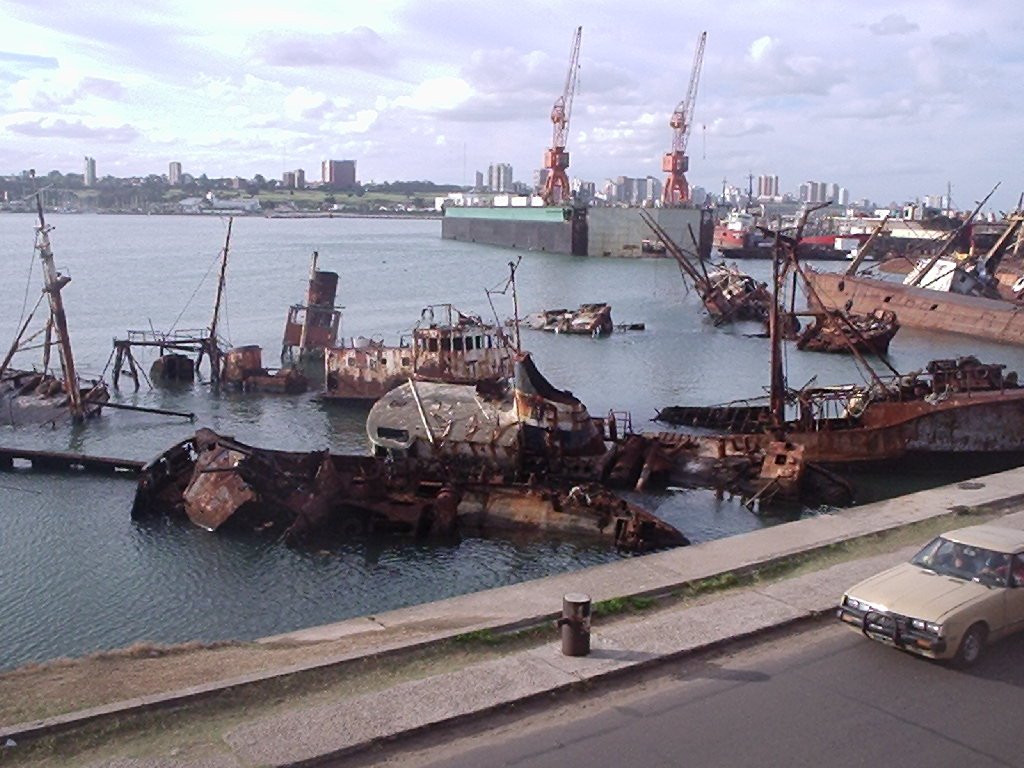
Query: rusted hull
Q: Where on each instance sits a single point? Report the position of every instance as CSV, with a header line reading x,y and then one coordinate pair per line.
x,y
869,334
990,422
217,481
370,372
920,307
588,320
967,423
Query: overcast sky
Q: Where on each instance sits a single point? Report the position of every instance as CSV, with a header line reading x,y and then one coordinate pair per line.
x,y
889,99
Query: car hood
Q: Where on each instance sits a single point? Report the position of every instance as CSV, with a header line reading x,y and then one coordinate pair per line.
x,y
921,594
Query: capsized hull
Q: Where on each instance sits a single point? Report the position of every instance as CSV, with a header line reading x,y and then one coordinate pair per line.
x,y
920,307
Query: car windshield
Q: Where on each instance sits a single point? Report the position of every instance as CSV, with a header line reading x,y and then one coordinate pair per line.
x,y
951,558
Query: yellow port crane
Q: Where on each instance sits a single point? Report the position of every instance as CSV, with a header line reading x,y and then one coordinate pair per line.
x,y
556,159
676,163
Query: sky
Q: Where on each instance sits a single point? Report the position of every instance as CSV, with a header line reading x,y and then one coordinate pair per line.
x,y
891,100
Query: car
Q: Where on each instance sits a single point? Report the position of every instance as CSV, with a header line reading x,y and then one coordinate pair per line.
x,y
960,592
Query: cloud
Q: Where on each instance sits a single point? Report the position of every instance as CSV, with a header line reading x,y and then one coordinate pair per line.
x,y
439,94
60,90
893,24
770,70
74,129
362,48
25,61
737,128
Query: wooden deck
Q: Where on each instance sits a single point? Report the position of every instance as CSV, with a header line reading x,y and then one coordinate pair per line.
x,y
15,458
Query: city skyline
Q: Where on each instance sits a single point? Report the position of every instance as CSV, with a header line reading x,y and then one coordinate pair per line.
x,y
896,99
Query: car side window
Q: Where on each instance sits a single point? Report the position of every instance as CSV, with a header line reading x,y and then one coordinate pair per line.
x,y
1017,571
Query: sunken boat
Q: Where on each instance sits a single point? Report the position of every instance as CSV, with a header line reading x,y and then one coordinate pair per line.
x,y
838,332
312,327
448,460
446,345
954,407
39,396
962,293
727,293
587,320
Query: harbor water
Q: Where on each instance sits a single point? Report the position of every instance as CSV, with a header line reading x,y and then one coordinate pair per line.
x,y
77,575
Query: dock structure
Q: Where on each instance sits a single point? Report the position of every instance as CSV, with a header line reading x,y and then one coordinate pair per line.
x,y
66,461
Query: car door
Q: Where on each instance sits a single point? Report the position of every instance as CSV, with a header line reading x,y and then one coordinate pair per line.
x,y
1014,596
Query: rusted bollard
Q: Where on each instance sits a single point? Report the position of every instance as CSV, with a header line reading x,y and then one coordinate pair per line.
x,y
575,624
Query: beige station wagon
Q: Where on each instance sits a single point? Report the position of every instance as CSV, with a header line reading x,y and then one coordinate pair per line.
x,y
962,590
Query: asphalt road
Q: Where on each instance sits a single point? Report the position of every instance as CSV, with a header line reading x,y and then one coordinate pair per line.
x,y
820,696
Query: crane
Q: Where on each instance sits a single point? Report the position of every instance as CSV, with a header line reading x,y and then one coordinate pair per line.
x,y
676,163
556,159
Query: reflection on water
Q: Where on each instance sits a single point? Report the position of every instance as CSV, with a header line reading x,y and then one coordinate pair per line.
x,y
77,574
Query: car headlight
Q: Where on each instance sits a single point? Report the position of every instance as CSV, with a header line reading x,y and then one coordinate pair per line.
x,y
855,604
926,626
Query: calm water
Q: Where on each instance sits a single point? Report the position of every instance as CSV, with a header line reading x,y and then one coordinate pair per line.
x,y
77,574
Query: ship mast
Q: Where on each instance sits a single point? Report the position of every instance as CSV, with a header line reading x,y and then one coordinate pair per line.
x,y
212,345
53,281
777,383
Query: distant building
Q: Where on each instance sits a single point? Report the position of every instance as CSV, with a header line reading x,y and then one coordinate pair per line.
x,y
767,186
479,180
288,179
300,178
174,174
90,171
338,174
499,177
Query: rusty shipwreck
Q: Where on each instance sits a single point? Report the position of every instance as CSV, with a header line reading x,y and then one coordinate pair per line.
x,y
727,293
593,319
180,353
41,395
967,292
445,345
950,407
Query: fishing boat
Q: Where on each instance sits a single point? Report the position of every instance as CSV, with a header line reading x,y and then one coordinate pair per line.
x,y
41,395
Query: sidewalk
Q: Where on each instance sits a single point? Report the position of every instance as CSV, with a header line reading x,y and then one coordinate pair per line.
x,y
295,731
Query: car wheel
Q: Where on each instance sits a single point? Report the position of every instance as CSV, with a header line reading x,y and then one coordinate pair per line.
x,y
971,646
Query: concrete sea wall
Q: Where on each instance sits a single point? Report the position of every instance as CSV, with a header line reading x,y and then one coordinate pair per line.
x,y
617,232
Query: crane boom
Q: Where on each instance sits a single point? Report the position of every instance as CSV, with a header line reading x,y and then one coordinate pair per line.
x,y
556,159
676,163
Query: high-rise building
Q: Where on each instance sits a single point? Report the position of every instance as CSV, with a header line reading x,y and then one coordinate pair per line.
x,y
479,180
505,177
300,178
288,179
90,171
338,174
174,174
499,177
767,186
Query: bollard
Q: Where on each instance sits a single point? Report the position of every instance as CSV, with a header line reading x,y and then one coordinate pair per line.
x,y
575,624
